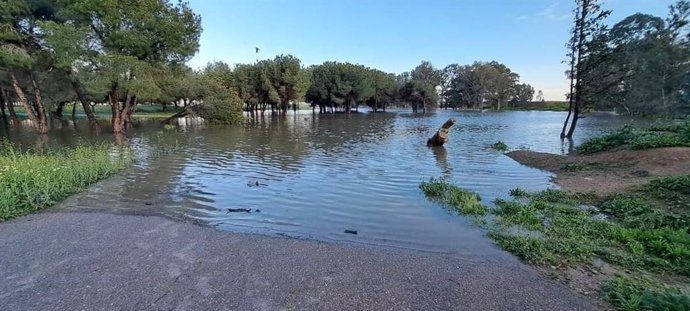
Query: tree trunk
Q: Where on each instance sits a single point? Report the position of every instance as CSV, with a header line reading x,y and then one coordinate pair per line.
x,y
441,136
57,114
498,107
81,96
74,111
25,103
117,112
10,106
3,103
128,110
42,119
578,73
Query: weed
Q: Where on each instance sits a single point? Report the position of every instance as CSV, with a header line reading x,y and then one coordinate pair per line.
x,y
634,294
465,202
658,136
33,181
500,146
518,193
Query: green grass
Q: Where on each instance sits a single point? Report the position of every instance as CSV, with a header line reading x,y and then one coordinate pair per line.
x,y
31,181
465,202
632,294
541,106
676,134
644,232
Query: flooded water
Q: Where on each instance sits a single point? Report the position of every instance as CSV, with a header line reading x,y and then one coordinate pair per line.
x,y
316,176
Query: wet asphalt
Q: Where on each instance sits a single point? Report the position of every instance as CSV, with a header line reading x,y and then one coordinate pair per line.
x,y
66,260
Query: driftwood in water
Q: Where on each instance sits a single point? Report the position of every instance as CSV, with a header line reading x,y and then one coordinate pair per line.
x,y
441,136
193,109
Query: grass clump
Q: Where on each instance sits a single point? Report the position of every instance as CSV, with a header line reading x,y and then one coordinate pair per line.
x,y
673,135
500,146
30,181
640,236
635,294
464,201
518,193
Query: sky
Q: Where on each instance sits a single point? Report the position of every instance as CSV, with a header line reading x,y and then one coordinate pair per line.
x,y
528,36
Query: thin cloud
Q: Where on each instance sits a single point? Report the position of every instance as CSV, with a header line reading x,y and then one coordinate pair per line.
x,y
553,13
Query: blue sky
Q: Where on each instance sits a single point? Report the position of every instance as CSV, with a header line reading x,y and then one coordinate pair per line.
x,y
395,35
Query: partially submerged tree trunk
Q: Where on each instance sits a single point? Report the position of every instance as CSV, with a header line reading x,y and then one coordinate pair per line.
x,y
58,113
10,106
128,110
117,112
3,103
40,109
74,111
441,136
25,103
86,105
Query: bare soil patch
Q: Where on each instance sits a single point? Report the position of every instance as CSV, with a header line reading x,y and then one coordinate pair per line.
x,y
611,171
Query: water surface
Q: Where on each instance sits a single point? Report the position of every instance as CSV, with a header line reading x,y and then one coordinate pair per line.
x,y
315,176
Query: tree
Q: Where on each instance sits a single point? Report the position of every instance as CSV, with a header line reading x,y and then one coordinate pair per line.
x,y
424,79
524,93
448,74
129,39
22,53
289,80
384,89
340,86
586,37
638,66
500,82
418,93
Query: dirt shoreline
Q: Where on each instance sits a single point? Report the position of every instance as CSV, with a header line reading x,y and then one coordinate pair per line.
x,y
610,171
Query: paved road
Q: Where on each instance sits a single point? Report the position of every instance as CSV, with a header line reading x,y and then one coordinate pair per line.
x,y
63,260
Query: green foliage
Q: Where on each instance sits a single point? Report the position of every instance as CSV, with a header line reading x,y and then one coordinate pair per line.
x,y
530,249
518,193
500,146
222,107
635,294
524,93
627,136
640,65
609,141
540,105
465,202
642,236
472,85
341,85
634,211
33,181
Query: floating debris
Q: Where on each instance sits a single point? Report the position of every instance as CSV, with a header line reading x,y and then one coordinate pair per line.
x,y
239,210
351,232
256,184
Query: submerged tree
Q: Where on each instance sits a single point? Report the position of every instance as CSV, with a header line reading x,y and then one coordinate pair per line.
x,y
587,33
128,41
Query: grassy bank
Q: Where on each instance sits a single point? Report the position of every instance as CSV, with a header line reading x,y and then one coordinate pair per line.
x,y
541,106
30,181
674,134
635,244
